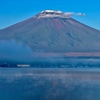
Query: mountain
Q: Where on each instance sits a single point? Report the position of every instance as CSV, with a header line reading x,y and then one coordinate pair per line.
x,y
53,31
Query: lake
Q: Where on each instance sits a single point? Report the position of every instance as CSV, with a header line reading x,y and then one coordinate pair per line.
x,y
49,84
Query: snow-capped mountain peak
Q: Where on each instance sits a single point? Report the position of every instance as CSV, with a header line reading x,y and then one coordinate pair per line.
x,y
51,11
51,14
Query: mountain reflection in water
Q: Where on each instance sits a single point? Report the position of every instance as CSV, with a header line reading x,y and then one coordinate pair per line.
x,y
49,84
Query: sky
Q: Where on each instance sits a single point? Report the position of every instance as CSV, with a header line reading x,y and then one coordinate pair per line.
x,y
14,11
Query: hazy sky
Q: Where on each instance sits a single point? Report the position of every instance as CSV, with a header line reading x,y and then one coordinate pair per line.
x,y
13,11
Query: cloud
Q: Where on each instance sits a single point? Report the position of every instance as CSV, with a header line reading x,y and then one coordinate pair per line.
x,y
69,14
80,14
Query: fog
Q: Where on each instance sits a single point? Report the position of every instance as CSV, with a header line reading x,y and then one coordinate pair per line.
x,y
16,51
13,50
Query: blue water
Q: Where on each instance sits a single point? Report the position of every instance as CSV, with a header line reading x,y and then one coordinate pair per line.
x,y
49,84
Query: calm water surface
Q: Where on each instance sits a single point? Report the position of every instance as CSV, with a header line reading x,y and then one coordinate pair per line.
x,y
49,84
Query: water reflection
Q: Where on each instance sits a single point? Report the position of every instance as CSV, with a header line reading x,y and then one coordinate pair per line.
x,y
37,84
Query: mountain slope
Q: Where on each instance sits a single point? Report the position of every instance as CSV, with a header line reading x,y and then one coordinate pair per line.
x,y
54,34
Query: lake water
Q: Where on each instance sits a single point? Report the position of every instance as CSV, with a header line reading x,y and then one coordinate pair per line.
x,y
49,84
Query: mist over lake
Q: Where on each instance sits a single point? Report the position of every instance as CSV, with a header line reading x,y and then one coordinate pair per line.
x,y
49,84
